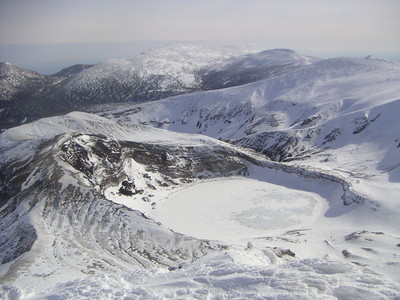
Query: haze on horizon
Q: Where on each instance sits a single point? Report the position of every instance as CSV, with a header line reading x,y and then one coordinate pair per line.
x,y
46,35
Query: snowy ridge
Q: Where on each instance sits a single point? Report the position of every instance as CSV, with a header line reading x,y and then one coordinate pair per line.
x,y
253,67
72,196
80,122
72,70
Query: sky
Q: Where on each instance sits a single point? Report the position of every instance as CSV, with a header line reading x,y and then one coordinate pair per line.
x,y
47,34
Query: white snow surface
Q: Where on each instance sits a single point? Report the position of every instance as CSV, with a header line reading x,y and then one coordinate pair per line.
x,y
237,208
341,252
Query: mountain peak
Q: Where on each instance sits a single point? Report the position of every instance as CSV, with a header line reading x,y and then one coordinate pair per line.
x,y
4,63
72,70
6,67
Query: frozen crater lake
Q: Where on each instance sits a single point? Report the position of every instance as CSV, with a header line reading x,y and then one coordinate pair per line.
x,y
233,209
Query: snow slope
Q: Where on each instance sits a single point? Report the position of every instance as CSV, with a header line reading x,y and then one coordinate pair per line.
x,y
253,67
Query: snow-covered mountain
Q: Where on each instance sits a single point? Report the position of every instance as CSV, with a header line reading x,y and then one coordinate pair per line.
x,y
177,69
155,74
252,67
26,95
17,82
108,206
71,71
55,217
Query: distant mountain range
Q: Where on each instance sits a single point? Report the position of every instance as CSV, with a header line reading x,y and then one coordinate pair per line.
x,y
153,75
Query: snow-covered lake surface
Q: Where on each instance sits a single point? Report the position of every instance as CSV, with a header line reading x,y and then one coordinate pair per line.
x,y
237,208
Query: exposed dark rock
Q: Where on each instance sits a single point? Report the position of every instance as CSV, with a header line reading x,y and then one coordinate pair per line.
x,y
127,188
364,123
361,234
15,239
346,253
280,252
310,121
332,136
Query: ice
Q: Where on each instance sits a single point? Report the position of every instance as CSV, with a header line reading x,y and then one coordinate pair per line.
x,y
237,208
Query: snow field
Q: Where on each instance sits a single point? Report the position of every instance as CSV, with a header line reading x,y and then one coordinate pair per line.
x,y
236,208
233,274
